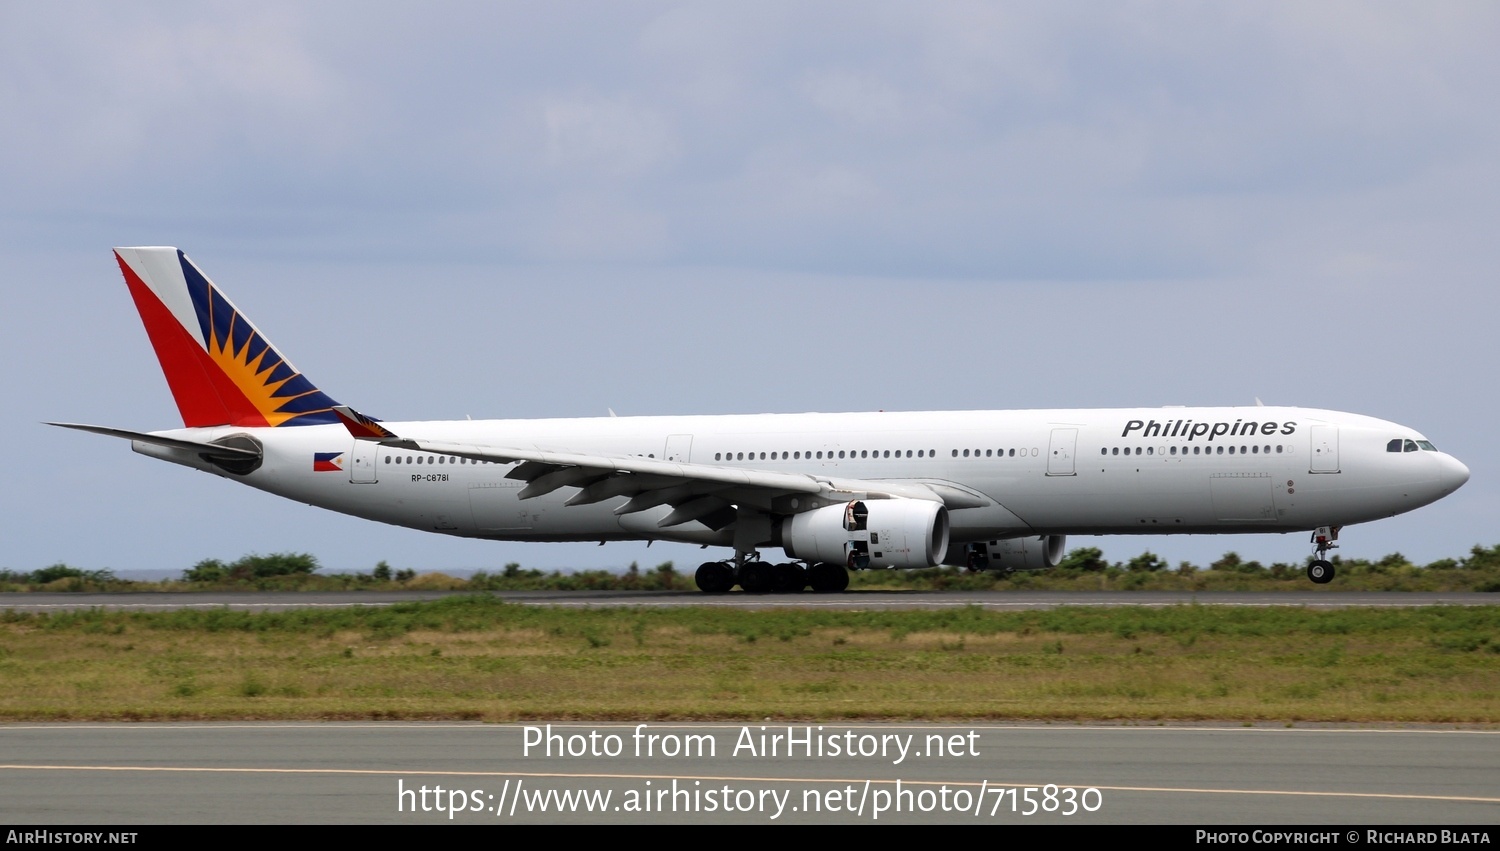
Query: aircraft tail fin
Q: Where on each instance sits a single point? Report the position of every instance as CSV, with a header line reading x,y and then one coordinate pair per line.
x,y
221,369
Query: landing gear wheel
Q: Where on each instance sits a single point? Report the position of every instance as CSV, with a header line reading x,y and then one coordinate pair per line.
x,y
714,577
756,577
828,578
788,578
1320,572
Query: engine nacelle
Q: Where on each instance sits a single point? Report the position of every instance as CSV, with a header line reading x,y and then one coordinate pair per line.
x,y
863,534
1036,553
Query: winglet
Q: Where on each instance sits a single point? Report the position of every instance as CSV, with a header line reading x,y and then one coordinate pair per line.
x,y
361,426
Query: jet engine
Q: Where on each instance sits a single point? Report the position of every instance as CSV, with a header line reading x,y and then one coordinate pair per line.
x,y
883,533
1036,553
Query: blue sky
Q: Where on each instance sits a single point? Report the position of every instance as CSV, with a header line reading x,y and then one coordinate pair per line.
x,y
517,210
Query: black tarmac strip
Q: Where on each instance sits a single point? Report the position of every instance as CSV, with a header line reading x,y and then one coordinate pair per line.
x,y
279,600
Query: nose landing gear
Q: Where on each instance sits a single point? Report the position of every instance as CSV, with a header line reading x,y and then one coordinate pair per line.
x,y
1320,570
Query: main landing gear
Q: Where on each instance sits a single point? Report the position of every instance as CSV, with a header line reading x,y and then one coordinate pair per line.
x,y
1320,570
714,577
758,577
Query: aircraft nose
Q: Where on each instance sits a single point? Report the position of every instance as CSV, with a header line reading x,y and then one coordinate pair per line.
x,y
1454,474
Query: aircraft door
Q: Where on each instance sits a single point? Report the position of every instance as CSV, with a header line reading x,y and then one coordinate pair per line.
x,y
1060,453
362,470
679,447
1325,449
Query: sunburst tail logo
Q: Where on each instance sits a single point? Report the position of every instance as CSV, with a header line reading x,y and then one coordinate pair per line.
x,y
221,369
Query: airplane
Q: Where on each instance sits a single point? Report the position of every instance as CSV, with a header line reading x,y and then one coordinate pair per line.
x,y
997,490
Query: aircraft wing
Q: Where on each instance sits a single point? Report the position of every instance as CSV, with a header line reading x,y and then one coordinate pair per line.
x,y
703,492
707,493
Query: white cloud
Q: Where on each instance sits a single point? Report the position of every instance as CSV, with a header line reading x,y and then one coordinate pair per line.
x,y
861,98
605,137
114,90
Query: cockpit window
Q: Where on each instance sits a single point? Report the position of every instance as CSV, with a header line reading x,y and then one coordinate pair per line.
x,y
1394,445
1427,445
1411,446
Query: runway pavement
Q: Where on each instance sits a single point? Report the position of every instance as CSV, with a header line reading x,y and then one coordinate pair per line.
x,y
274,601
431,774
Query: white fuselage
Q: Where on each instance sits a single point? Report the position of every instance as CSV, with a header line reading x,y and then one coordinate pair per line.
x,y
1100,471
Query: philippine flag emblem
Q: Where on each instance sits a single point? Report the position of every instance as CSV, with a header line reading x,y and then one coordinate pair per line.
x,y
328,462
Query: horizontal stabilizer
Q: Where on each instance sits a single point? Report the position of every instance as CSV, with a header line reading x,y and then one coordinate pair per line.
x,y
211,449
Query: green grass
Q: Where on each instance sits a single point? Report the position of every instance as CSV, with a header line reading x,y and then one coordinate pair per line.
x,y
478,658
1083,569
